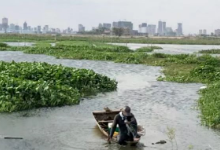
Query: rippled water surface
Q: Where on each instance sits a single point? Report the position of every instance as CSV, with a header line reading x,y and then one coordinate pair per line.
x,y
157,105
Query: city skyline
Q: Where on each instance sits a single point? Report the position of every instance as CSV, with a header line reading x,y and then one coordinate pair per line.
x,y
144,28
66,13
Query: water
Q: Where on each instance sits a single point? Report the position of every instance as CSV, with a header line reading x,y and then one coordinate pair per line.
x,y
173,49
24,43
19,43
156,105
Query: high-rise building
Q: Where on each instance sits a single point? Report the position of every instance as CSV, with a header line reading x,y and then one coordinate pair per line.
x,y
164,28
143,28
144,24
39,29
125,24
5,24
160,28
200,32
180,29
25,26
46,29
204,32
81,28
217,32
107,26
151,29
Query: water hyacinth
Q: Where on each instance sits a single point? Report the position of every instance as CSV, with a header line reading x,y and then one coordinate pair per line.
x,y
32,85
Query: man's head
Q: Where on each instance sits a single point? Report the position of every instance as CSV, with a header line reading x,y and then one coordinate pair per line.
x,y
126,111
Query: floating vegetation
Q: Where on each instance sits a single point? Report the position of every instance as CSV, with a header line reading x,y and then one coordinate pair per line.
x,y
32,85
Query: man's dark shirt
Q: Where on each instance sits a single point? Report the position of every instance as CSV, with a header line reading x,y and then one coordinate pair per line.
x,y
122,126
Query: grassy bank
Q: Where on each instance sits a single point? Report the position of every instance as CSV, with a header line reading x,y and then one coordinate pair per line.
x,y
182,68
108,39
32,85
211,51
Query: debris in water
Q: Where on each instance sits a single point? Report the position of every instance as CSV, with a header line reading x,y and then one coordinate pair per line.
x,y
203,87
160,142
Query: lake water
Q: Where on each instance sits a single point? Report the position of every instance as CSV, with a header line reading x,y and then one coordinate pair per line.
x,y
156,105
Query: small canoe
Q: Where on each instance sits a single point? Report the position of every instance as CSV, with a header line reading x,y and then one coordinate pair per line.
x,y
103,118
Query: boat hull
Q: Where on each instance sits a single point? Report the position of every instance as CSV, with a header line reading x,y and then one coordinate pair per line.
x,y
103,118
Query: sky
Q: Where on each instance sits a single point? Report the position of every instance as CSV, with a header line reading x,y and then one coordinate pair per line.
x,y
194,14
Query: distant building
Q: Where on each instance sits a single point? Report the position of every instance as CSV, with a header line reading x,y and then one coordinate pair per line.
x,y
29,28
57,30
200,32
164,28
143,28
38,29
160,28
217,32
107,26
5,24
144,24
46,29
100,26
25,26
180,29
151,29
17,28
170,32
126,25
81,28
204,32
135,32
115,24
12,28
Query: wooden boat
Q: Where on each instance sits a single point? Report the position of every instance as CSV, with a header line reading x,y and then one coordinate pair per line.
x,y
103,118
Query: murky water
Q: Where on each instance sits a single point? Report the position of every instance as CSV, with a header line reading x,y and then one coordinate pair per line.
x,y
157,105
19,43
173,49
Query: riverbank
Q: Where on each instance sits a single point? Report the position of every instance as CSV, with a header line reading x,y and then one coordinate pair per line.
x,y
109,39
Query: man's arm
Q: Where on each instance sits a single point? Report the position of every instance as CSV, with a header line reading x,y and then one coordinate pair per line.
x,y
114,126
133,120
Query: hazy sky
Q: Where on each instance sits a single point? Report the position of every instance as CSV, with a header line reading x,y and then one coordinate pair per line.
x,y
194,14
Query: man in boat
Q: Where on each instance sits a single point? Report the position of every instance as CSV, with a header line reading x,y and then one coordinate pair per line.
x,y
127,126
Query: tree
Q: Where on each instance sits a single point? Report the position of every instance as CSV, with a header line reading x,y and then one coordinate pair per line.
x,y
118,31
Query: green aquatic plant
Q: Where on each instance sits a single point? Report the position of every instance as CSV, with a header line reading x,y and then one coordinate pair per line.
x,y
210,51
3,45
209,104
33,85
148,49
